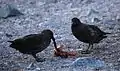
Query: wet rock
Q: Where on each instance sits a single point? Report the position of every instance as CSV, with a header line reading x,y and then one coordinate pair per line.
x,y
9,11
87,63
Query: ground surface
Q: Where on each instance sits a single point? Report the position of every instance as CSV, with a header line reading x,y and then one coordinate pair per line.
x,y
57,15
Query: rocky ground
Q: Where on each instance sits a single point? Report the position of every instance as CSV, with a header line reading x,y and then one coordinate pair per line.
x,y
56,15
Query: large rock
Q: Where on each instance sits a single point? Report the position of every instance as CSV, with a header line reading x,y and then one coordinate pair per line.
x,y
87,64
9,11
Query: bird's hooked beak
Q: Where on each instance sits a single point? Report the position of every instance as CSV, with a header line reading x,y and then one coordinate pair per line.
x,y
54,42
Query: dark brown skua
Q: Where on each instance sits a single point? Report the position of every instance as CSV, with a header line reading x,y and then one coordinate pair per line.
x,y
34,43
90,34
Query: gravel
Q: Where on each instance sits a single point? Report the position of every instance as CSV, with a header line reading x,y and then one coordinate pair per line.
x,y
56,15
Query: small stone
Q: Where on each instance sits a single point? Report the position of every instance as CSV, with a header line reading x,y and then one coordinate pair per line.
x,y
96,20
